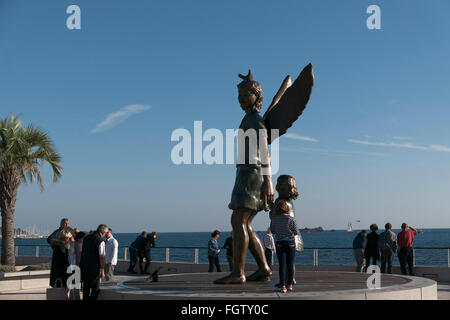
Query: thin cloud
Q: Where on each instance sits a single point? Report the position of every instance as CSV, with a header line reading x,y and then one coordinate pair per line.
x,y
406,145
387,144
298,137
440,148
334,152
115,118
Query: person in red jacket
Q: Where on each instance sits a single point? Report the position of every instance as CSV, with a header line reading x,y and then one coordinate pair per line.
x,y
405,248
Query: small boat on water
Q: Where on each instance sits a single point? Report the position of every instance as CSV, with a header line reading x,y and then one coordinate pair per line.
x,y
349,227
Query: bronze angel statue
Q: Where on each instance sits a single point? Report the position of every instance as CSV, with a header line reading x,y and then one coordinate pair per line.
x,y
253,189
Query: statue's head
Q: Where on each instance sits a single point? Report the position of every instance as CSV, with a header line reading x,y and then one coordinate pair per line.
x,y
250,93
287,187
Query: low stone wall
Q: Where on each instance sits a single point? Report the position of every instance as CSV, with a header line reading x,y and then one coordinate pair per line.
x,y
29,261
14,281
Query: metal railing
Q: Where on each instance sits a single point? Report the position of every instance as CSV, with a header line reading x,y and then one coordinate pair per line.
x,y
315,252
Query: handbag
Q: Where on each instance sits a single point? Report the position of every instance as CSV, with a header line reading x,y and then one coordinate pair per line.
x,y
74,294
298,238
58,293
299,243
62,293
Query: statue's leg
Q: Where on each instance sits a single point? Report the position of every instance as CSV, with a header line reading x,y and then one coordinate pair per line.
x,y
240,240
240,245
257,251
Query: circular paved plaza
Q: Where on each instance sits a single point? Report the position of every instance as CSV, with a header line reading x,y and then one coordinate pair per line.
x,y
310,285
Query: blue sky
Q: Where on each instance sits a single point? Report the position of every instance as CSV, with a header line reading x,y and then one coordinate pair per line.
x,y
378,113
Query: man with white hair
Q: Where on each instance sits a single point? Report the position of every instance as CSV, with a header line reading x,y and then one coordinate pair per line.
x,y
92,262
111,252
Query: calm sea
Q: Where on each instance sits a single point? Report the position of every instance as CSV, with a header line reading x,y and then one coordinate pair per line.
x,y
430,238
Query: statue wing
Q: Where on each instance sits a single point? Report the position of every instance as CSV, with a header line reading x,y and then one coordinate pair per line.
x,y
289,102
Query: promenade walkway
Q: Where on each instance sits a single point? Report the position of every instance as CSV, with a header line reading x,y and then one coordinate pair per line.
x,y
32,294
444,290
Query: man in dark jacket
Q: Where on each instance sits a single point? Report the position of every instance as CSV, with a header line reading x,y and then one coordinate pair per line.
x,y
59,252
136,250
92,262
60,261
149,243
371,251
359,244
229,246
54,239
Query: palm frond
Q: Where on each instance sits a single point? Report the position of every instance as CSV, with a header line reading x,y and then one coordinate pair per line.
x,y
27,149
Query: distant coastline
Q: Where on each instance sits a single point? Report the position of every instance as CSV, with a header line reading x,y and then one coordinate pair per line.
x,y
318,229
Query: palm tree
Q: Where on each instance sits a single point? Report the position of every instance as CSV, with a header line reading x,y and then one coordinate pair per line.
x,y
23,151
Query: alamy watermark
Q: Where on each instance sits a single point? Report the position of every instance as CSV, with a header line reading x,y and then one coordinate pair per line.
x,y
73,21
74,280
374,281
373,22
251,147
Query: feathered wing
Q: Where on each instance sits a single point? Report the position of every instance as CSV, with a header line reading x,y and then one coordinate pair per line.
x,y
287,82
289,102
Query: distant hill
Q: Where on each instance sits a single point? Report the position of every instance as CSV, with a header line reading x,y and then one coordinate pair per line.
x,y
318,229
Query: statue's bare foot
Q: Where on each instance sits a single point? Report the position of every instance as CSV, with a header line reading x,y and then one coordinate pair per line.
x,y
260,275
231,279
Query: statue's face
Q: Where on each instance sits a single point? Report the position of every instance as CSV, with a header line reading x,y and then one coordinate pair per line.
x,y
246,99
287,188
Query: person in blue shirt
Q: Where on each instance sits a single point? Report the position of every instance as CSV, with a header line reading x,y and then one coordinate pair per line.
x,y
359,244
135,248
213,252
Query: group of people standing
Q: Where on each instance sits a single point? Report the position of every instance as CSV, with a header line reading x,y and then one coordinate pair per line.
x,y
214,250
383,246
94,252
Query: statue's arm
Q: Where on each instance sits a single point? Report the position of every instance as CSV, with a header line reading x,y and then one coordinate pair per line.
x,y
267,191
